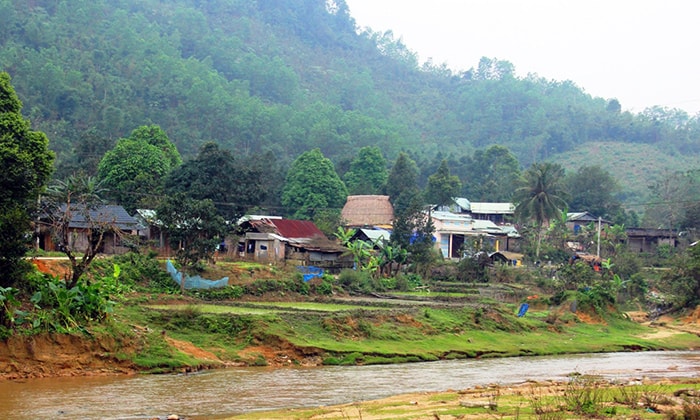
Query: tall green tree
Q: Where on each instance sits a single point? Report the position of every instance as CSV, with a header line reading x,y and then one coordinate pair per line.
x,y
442,186
134,170
155,136
368,172
489,175
412,228
312,185
26,163
403,177
593,189
234,185
541,196
194,228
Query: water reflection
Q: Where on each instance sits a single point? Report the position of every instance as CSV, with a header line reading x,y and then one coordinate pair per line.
x,y
237,390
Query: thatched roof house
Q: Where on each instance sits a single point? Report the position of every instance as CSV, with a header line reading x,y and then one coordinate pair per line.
x,y
368,210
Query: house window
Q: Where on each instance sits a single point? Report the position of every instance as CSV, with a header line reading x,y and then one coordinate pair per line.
x,y
263,247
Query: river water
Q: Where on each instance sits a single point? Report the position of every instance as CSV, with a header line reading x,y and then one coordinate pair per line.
x,y
217,393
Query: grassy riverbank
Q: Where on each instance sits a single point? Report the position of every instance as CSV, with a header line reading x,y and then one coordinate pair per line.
x,y
368,331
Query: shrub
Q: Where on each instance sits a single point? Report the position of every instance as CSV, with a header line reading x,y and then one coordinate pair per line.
x,y
577,275
401,283
584,395
63,310
137,270
224,293
474,268
596,297
445,271
324,287
8,301
627,265
355,281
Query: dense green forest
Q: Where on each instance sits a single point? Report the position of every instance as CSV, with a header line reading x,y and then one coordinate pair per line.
x,y
284,77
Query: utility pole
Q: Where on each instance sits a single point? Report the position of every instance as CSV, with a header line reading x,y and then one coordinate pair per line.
x,y
598,251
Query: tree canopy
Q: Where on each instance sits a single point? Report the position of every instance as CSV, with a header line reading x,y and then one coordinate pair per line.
x,y
490,174
286,77
593,189
135,169
193,226
368,172
308,78
442,186
313,185
403,177
26,163
233,185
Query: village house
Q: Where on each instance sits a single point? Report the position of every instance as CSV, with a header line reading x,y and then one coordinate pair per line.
x,y
296,242
114,220
498,213
640,240
576,222
644,240
452,230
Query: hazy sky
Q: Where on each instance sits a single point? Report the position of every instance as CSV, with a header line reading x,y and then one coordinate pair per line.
x,y
642,52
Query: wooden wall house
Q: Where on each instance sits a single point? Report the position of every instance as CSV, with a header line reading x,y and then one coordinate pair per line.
x,y
296,242
119,222
645,240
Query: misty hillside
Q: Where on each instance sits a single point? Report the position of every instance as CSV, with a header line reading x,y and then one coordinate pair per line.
x,y
289,76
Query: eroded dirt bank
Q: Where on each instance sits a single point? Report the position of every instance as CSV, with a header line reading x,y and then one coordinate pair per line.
x,y
50,355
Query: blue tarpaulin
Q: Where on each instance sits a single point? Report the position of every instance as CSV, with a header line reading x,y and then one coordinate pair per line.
x,y
309,271
523,310
194,282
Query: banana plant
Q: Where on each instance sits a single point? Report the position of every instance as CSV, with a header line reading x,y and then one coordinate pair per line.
x,y
344,235
360,251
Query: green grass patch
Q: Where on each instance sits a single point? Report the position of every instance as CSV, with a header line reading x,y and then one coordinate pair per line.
x,y
215,309
315,306
158,356
432,294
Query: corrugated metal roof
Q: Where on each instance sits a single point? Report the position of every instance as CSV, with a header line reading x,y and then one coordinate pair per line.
x,y
295,229
492,208
446,215
463,203
113,215
376,235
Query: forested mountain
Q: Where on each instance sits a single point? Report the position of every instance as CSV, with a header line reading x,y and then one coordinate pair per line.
x,y
286,77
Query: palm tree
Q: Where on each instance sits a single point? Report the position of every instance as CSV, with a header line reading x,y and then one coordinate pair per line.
x,y
541,196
